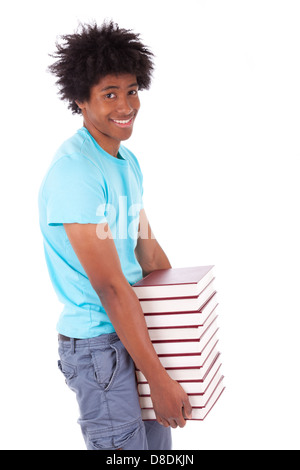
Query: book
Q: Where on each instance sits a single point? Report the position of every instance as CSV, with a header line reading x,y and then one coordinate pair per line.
x,y
180,309
197,413
174,282
187,374
182,319
196,401
189,361
190,347
196,387
178,304
180,334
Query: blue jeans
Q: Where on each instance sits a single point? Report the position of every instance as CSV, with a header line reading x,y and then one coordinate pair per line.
x,y
102,374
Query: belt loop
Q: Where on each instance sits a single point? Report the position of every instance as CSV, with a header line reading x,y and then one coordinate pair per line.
x,y
72,345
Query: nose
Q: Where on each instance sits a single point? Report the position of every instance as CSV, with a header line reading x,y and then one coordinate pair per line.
x,y
124,106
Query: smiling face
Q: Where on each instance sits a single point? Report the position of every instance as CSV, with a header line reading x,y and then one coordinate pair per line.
x,y
110,112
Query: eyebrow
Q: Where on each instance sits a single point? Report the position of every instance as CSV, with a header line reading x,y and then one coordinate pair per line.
x,y
114,87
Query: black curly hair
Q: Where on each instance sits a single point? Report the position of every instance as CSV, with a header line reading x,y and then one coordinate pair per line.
x,y
94,52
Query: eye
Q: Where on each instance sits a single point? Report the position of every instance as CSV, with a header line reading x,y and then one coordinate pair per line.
x,y
133,92
110,96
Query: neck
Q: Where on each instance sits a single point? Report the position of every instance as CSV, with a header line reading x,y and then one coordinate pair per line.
x,y
106,143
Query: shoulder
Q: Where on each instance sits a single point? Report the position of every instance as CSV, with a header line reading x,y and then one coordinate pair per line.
x,y
74,152
68,167
71,167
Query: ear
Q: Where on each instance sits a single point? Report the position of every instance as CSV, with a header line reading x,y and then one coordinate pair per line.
x,y
80,104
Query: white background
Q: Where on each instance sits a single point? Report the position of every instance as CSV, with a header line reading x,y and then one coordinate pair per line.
x,y
218,142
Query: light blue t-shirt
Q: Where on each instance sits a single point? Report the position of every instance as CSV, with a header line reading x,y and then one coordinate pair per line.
x,y
85,184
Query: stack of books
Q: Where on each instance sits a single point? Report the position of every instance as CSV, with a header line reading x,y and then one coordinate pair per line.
x,y
180,308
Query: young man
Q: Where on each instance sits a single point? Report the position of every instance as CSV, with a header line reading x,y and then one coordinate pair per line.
x,y
98,242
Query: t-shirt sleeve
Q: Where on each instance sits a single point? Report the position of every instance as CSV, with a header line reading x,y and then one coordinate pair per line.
x,y
75,192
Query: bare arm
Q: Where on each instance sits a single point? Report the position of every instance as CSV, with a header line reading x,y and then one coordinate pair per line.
x,y
148,252
101,263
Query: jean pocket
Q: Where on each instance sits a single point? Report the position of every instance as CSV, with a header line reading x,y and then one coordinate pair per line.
x,y
117,439
69,370
106,365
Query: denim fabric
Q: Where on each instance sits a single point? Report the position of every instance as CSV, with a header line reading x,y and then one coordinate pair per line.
x,y
102,374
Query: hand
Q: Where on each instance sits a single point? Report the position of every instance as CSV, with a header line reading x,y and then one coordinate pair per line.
x,y
171,403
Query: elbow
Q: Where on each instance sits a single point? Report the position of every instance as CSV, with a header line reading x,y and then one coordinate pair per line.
x,y
110,290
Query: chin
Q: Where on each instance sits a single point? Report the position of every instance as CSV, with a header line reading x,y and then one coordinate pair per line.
x,y
125,136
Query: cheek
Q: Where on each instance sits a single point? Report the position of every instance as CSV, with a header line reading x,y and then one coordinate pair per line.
x,y
97,117
137,104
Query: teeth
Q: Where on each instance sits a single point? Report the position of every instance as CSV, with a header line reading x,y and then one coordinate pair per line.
x,y
122,122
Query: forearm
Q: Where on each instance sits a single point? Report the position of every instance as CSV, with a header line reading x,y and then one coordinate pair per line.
x,y
170,401
158,261
126,315
161,260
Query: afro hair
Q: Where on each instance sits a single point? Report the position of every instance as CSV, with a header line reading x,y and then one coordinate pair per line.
x,y
93,52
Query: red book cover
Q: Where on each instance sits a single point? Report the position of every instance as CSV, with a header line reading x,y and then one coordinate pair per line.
x,y
182,319
178,304
187,346
187,374
196,401
198,414
185,333
194,387
174,282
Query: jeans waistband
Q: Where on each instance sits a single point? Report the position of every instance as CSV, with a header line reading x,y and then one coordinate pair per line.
x,y
104,339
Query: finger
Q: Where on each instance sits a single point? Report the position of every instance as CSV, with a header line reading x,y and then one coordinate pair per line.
x,y
173,423
187,409
181,422
163,422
